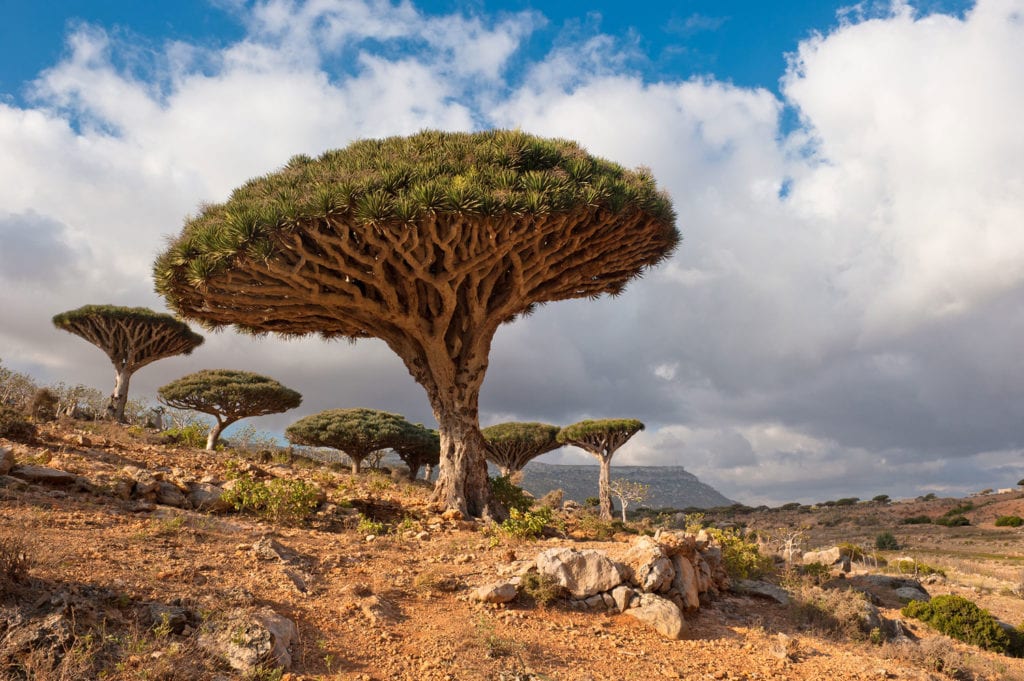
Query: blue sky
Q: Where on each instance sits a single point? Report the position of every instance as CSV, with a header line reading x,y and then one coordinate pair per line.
x,y
842,318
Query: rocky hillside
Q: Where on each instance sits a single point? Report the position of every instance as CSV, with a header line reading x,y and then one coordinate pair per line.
x,y
121,559
669,486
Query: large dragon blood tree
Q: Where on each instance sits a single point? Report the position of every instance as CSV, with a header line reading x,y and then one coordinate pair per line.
x,y
428,242
132,337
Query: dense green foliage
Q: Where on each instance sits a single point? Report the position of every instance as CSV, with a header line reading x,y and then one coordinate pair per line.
x,y
510,495
188,435
521,433
14,425
952,521
401,181
278,499
917,520
959,618
881,499
358,432
229,396
886,541
1009,521
741,556
420,447
527,524
590,429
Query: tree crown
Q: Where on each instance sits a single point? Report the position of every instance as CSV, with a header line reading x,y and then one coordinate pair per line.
x,y
131,335
522,433
596,429
400,193
229,393
419,446
357,432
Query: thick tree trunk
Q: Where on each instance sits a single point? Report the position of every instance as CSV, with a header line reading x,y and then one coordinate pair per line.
x,y
462,480
604,488
413,471
355,464
119,398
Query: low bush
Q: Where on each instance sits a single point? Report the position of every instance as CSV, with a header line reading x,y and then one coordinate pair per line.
x,y
277,499
886,542
959,618
881,499
917,520
526,524
14,425
952,521
543,589
1009,521
842,613
741,556
43,405
510,495
15,561
193,435
909,566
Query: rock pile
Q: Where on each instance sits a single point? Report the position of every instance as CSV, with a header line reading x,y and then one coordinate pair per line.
x,y
656,580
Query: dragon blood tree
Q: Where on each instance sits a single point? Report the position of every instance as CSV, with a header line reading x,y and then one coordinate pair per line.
x,y
357,432
601,439
428,242
421,448
228,396
510,446
132,337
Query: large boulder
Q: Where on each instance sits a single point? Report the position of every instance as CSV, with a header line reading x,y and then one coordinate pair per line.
x,y
825,556
207,497
685,582
44,476
250,641
581,573
650,567
661,614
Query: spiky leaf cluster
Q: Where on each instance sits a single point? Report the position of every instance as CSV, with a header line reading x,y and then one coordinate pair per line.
x,y
512,445
229,395
358,432
399,184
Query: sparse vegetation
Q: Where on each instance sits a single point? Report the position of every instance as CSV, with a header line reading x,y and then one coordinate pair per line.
x,y
527,524
15,561
742,558
14,425
510,495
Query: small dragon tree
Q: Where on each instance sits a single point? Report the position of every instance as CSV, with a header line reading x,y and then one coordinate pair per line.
x,y
628,491
601,438
422,448
357,432
428,242
132,337
512,445
228,396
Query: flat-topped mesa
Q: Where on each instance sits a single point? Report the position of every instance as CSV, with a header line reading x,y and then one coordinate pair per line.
x,y
428,242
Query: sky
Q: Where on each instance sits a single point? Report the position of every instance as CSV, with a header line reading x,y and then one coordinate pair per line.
x,y
841,319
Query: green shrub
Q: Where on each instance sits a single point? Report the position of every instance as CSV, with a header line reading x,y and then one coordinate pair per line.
x,y
543,589
886,542
817,572
510,495
851,551
908,566
959,510
741,557
14,425
952,521
594,502
277,499
526,524
847,501
791,506
917,520
192,435
370,526
959,618
881,499
1009,521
